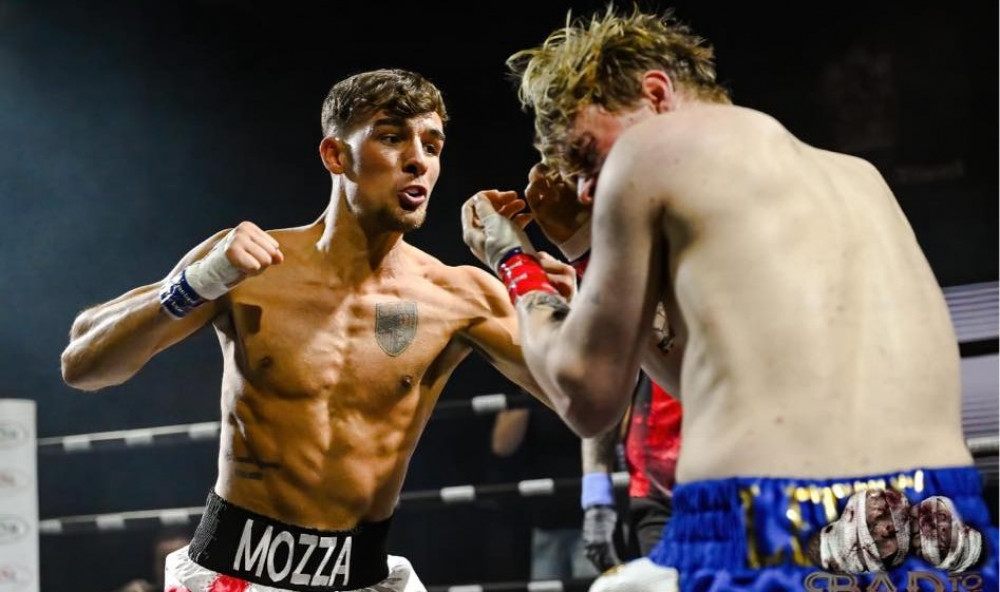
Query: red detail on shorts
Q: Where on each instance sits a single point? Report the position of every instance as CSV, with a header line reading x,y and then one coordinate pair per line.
x,y
653,443
229,584
522,273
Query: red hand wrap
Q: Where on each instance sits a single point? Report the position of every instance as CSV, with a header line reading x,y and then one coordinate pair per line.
x,y
523,273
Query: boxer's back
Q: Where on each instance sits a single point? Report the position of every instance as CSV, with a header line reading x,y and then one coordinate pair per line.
x,y
818,342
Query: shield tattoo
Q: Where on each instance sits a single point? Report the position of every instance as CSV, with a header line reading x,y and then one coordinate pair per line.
x,y
395,326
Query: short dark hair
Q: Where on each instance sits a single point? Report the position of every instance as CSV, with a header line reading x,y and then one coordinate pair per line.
x,y
399,92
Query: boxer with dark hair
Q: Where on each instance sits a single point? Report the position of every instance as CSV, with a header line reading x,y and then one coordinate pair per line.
x,y
337,338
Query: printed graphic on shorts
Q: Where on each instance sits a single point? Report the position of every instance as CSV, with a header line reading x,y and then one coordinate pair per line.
x,y
878,530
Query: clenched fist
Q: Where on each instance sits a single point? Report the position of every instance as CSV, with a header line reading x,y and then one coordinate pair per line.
x,y
555,207
492,225
246,251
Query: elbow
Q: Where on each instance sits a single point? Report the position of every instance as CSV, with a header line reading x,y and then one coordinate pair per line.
x,y
79,374
590,421
74,375
592,408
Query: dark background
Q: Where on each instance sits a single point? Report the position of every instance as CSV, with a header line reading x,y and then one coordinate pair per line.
x,y
130,131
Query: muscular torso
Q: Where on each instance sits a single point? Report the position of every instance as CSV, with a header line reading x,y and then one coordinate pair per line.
x,y
329,380
816,339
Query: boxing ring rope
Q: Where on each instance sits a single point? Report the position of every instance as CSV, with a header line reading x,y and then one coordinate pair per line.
x,y
974,313
980,446
537,586
209,430
457,494
974,310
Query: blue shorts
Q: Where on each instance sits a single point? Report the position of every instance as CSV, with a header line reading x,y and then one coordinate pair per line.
x,y
750,533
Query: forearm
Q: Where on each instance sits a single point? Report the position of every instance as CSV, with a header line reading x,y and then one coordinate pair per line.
x,y
598,453
111,342
540,317
569,365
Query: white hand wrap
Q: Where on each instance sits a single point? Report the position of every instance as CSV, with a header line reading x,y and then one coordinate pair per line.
x,y
212,275
502,235
206,279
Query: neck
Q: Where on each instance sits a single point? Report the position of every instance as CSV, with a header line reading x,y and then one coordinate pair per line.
x,y
356,247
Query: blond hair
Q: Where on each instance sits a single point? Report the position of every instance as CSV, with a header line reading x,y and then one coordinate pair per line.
x,y
600,61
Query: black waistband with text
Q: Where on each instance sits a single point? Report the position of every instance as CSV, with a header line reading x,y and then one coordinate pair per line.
x,y
237,542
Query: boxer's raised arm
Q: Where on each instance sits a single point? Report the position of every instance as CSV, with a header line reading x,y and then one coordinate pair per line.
x,y
587,356
112,341
495,333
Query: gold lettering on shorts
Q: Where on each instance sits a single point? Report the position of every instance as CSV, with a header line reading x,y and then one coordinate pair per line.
x,y
797,495
747,496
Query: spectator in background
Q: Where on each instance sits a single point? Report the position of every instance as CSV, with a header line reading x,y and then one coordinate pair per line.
x,y
542,446
166,541
651,432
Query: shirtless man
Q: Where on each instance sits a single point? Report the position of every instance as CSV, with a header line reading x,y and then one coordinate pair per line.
x,y
337,339
814,351
650,429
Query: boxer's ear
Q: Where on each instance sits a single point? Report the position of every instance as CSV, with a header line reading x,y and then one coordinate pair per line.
x,y
335,154
658,88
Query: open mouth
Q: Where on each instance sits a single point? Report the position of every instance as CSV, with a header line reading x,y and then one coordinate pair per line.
x,y
411,197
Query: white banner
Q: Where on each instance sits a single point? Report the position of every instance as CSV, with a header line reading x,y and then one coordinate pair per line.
x,y
18,497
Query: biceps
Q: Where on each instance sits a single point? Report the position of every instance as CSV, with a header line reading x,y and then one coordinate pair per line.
x,y
496,339
624,269
620,293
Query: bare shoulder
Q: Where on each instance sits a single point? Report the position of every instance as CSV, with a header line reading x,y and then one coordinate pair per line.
x,y
297,237
480,283
467,284
716,132
683,154
469,291
470,281
480,294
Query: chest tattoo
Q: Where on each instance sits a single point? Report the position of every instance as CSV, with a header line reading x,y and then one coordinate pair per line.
x,y
395,326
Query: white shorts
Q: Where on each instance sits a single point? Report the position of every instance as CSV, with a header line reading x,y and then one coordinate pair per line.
x,y
184,575
641,575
